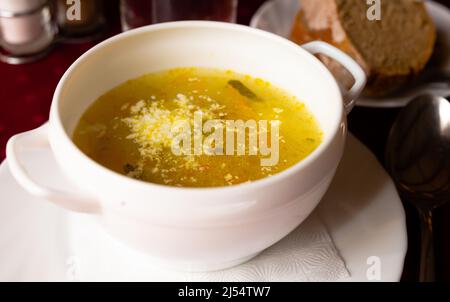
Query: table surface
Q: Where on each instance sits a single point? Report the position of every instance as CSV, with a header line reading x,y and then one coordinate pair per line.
x,y
26,93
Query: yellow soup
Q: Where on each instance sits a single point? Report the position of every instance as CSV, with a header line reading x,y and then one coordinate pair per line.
x,y
197,127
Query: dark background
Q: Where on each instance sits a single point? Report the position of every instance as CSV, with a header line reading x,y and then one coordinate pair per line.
x,y
26,92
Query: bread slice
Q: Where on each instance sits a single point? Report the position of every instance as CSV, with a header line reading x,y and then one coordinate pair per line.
x,y
392,50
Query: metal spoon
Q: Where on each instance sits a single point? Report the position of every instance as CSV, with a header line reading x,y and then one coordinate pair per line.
x,y
418,158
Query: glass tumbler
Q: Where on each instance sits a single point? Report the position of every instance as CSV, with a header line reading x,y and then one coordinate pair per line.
x,y
136,13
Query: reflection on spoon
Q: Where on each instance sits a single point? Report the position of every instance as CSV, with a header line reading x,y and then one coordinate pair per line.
x,y
418,158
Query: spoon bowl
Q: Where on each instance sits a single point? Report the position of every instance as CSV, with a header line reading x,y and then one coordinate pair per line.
x,y
418,158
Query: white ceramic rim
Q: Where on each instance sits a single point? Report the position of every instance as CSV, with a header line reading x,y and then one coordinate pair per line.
x,y
328,137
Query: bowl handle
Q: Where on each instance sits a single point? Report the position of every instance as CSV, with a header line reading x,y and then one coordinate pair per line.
x,y
38,138
345,60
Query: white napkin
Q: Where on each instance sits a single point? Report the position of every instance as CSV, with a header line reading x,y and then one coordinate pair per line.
x,y
307,254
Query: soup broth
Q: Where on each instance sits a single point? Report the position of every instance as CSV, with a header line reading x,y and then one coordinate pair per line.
x,y
130,129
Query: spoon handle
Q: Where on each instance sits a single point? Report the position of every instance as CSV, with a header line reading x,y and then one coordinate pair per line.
x,y
427,273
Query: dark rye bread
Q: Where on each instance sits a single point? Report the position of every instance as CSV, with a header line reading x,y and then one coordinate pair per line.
x,y
392,51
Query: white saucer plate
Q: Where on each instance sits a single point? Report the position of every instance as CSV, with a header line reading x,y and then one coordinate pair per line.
x,y
362,212
278,16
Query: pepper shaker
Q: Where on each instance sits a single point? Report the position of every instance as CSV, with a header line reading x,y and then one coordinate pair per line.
x,y
80,19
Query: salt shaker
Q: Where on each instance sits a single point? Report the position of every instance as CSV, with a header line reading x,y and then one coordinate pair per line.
x,y
26,30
